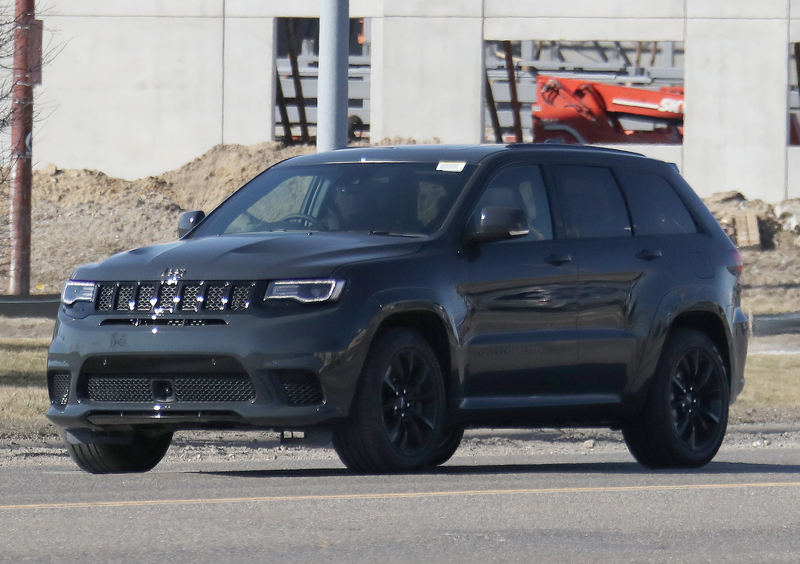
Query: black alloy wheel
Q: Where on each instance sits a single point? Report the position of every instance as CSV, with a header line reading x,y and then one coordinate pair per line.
x,y
686,415
397,415
698,407
408,395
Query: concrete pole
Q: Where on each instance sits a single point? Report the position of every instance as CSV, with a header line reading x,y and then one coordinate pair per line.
x,y
21,173
334,49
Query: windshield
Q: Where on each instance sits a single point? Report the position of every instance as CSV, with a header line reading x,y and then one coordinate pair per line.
x,y
380,198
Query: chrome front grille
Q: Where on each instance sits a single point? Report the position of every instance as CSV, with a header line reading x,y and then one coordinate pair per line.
x,y
170,297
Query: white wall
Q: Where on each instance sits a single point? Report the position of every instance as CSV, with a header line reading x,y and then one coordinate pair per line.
x,y
736,73
143,86
423,87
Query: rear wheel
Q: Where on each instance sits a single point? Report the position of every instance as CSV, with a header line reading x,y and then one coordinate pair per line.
x,y
143,453
686,415
397,415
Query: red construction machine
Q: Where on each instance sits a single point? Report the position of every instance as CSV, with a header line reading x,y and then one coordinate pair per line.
x,y
580,111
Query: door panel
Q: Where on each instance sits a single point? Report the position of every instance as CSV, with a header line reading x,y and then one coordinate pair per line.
x,y
520,330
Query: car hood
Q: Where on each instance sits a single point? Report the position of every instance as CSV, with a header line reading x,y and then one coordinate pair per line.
x,y
261,256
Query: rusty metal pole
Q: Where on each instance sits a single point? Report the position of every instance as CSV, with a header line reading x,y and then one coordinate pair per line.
x,y
21,174
498,132
300,101
512,87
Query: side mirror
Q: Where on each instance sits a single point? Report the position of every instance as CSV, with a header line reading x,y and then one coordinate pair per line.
x,y
188,222
497,224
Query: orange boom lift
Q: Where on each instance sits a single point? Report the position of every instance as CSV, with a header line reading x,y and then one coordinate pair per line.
x,y
579,111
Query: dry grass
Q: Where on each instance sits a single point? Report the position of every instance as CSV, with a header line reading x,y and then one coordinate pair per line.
x,y
771,381
23,387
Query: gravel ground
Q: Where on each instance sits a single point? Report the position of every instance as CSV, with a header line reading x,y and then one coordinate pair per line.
x,y
265,448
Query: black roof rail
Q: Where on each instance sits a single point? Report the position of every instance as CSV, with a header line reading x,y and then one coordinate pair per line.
x,y
557,145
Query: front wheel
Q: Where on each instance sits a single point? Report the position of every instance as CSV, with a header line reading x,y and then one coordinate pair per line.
x,y
397,415
448,445
142,453
686,415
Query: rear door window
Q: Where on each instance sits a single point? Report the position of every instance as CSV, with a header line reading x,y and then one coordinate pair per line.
x,y
655,206
592,203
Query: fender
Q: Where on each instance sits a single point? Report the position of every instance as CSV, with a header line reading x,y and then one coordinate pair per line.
x,y
687,299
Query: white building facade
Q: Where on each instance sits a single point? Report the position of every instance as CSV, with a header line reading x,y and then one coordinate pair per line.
x,y
139,87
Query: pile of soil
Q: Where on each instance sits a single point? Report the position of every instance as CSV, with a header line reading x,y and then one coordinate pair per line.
x,y
82,216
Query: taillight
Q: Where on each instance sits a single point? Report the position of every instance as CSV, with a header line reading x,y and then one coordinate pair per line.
x,y
736,267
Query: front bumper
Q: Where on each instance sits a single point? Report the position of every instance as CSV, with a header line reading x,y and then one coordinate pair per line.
x,y
111,375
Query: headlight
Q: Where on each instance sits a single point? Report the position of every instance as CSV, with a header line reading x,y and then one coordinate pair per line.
x,y
77,291
305,291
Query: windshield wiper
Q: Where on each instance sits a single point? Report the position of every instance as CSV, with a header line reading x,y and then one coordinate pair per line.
x,y
393,233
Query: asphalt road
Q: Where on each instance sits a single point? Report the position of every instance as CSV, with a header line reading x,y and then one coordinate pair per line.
x,y
575,504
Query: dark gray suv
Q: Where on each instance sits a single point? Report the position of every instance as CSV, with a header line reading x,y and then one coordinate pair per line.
x,y
388,298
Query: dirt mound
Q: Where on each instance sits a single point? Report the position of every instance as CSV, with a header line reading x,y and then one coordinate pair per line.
x,y
82,216
203,183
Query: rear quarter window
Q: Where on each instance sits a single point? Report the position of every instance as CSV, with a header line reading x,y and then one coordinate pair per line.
x,y
654,204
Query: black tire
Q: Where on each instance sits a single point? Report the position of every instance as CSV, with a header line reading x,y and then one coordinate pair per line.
x,y
143,454
397,415
448,445
684,421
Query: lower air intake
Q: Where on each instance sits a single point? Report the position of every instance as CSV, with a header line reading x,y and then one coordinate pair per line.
x,y
302,388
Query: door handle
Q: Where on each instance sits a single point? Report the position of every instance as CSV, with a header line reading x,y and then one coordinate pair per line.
x,y
557,260
647,254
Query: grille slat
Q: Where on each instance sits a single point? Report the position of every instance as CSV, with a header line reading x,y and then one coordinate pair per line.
x,y
214,298
146,293
167,295
124,297
105,298
241,297
189,297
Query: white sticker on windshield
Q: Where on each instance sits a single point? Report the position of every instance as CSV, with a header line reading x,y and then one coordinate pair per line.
x,y
451,166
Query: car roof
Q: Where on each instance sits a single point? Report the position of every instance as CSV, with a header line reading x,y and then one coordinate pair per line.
x,y
470,154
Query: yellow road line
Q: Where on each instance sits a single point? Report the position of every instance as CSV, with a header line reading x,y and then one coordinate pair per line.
x,y
401,495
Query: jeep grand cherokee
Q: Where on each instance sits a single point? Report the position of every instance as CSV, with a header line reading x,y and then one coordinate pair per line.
x,y
387,298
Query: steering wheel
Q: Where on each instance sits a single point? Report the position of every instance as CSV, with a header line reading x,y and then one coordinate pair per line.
x,y
307,218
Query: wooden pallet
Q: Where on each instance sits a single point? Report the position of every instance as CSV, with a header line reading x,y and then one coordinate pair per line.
x,y
747,235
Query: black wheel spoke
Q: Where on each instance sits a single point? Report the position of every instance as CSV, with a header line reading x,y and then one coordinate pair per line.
x,y
706,413
414,432
393,431
692,440
677,381
705,377
418,380
388,380
681,423
426,422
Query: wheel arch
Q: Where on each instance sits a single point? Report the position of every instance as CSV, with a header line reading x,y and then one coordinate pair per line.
x,y
710,324
432,327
